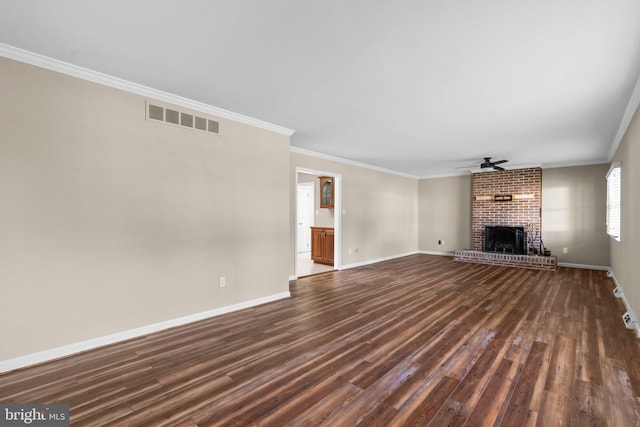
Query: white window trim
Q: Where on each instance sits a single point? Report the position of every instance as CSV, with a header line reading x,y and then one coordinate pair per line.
x,y
614,200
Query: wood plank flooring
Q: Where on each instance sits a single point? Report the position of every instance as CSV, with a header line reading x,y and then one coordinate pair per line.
x,y
421,340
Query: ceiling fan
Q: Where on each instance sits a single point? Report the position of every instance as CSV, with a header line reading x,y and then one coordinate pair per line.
x,y
489,164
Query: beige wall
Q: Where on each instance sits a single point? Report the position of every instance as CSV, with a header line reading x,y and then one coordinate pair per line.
x,y
380,210
444,213
625,254
111,222
574,214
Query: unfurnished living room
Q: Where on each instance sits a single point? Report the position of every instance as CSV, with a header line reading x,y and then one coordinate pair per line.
x,y
319,213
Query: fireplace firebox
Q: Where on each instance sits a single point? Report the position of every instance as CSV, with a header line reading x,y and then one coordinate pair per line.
x,y
509,240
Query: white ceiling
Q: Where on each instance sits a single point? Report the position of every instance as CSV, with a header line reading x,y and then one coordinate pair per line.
x,y
418,87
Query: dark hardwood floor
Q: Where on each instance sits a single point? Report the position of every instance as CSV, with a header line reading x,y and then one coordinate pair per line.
x,y
420,340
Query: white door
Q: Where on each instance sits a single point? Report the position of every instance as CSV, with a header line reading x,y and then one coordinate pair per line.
x,y
305,212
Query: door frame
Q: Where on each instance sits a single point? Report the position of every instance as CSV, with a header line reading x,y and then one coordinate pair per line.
x,y
337,217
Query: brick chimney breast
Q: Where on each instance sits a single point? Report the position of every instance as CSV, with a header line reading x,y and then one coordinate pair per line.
x,y
523,210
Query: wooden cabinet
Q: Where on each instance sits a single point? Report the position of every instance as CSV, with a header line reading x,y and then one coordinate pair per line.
x,y
326,191
322,245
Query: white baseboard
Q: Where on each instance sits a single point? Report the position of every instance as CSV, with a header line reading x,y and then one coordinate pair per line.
x,y
611,274
387,258
585,266
374,261
67,350
436,253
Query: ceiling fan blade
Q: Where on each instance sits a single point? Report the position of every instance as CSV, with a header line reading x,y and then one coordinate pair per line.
x,y
498,168
500,161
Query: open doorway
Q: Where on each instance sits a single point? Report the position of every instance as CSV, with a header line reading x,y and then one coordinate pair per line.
x,y
317,227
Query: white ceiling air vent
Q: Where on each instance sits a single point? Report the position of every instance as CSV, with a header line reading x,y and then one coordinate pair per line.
x,y
182,119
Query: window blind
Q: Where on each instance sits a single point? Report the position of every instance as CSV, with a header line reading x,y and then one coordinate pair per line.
x,y
614,200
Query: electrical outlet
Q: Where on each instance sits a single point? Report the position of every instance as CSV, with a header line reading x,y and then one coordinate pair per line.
x,y
565,250
617,292
223,281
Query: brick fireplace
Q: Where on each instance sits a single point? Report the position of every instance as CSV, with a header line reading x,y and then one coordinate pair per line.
x,y
507,200
510,198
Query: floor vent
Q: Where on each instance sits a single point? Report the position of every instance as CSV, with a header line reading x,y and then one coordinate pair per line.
x,y
617,292
628,320
182,119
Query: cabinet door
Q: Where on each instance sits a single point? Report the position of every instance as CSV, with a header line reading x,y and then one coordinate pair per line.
x,y
317,245
326,192
328,246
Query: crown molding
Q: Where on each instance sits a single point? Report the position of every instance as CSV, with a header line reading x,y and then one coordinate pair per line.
x,y
476,169
573,164
52,64
632,106
462,172
473,170
347,161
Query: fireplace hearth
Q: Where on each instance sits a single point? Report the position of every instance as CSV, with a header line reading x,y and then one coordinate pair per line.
x,y
501,239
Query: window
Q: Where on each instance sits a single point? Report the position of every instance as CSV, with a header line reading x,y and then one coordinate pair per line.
x,y
613,200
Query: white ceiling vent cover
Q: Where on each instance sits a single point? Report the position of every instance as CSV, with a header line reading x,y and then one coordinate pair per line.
x,y
182,119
